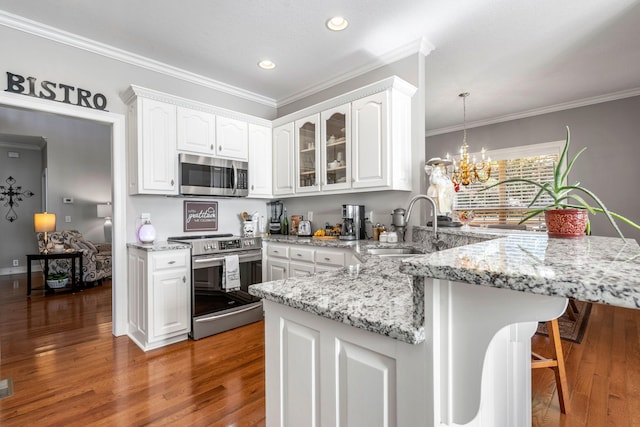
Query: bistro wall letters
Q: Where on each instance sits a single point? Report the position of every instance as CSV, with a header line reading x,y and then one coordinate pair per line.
x,y
55,92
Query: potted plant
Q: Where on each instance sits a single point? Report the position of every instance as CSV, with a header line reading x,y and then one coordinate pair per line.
x,y
57,280
566,215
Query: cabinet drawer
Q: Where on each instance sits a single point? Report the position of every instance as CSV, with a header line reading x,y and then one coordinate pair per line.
x,y
298,253
278,251
330,258
170,260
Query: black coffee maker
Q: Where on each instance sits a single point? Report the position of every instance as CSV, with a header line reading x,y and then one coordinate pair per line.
x,y
275,214
353,222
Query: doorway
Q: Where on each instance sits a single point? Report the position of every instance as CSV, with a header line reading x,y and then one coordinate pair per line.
x,y
118,185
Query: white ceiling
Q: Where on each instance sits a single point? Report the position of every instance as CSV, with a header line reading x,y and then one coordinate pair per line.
x,y
513,56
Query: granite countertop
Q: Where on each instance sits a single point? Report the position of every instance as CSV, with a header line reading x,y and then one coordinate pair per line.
x,y
595,269
374,296
158,246
379,296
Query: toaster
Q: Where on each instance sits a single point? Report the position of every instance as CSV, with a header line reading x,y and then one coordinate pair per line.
x,y
304,228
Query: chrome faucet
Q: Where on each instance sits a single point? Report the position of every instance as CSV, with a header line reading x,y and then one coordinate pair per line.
x,y
401,217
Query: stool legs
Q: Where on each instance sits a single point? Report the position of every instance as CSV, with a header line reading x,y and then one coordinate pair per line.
x,y
556,363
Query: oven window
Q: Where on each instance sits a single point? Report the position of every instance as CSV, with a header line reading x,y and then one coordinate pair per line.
x,y
210,279
196,175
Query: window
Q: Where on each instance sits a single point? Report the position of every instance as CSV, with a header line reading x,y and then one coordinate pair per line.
x,y
508,204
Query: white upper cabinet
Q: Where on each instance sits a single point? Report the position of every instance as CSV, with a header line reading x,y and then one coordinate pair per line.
x,y
370,139
335,153
307,149
283,160
196,131
152,147
232,138
260,169
363,144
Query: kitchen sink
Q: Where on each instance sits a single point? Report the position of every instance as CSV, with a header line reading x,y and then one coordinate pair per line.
x,y
392,252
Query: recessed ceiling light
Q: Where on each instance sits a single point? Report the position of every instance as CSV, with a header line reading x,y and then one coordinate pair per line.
x,y
337,23
266,64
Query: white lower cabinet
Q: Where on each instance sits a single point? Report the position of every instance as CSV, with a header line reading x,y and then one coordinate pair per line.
x,y
159,297
322,372
284,260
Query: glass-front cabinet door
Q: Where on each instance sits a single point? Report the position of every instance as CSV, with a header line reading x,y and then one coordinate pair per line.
x,y
308,150
336,147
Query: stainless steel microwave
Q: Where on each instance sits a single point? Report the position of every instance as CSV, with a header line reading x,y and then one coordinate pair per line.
x,y
210,176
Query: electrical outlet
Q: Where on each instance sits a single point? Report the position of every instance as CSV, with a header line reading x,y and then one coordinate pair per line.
x,y
310,215
16,263
67,218
370,216
145,216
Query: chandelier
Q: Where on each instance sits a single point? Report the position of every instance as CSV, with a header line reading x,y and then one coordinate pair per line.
x,y
467,172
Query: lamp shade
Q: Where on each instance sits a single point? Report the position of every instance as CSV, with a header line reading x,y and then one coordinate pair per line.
x,y
44,222
104,210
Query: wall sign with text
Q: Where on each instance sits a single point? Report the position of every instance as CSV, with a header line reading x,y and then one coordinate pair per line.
x,y
59,92
200,216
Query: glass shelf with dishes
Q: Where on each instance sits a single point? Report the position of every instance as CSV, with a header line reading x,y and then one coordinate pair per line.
x,y
335,139
307,154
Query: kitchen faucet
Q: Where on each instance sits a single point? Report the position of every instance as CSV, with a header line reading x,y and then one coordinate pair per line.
x,y
400,219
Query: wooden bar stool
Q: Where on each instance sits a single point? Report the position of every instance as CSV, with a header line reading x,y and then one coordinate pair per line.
x,y
556,363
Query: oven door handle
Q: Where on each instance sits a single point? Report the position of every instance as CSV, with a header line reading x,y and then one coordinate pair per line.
x,y
220,316
220,259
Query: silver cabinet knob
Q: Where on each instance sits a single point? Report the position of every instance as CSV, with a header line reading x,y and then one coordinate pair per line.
x,y
211,147
184,279
220,148
172,183
252,188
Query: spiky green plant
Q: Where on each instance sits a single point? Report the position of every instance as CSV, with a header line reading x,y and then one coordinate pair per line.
x,y
565,196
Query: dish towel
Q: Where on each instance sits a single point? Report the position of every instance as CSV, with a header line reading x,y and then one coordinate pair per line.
x,y
231,276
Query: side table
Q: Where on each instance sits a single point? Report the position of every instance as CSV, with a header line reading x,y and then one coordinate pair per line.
x,y
72,255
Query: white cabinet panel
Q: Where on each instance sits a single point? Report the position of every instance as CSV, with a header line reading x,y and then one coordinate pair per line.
x,y
277,269
301,269
370,139
196,131
232,138
283,160
366,386
260,166
300,375
170,303
159,297
154,157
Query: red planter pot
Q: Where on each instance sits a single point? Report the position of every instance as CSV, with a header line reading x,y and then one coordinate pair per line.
x,y
566,222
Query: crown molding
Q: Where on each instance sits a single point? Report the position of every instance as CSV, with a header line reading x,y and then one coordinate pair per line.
x,y
614,96
45,31
417,46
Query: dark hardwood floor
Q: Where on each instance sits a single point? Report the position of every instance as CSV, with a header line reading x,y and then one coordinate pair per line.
x,y
68,369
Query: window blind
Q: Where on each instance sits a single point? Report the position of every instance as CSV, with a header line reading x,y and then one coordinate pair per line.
x,y
509,203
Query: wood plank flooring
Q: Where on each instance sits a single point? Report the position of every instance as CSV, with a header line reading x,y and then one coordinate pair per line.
x,y
69,370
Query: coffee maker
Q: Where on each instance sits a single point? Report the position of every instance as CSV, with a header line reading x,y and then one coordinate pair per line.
x,y
352,222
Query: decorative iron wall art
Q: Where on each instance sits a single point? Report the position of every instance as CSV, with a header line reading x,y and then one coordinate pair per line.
x,y
12,195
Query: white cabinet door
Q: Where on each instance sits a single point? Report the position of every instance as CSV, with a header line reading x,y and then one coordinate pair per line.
x,y
335,153
260,182
300,269
196,131
170,302
370,140
283,163
307,149
158,158
232,138
277,269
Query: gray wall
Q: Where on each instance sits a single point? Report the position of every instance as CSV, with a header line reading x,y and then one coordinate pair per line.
x,y
609,166
18,238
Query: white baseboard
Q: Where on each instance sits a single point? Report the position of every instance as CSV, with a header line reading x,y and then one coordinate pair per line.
x,y
18,270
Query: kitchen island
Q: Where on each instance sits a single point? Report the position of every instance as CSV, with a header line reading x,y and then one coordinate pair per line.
x,y
436,339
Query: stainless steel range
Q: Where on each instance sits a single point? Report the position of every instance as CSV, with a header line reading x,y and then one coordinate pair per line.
x,y
214,308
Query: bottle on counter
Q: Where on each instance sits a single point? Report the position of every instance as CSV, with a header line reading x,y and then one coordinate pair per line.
x,y
285,223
